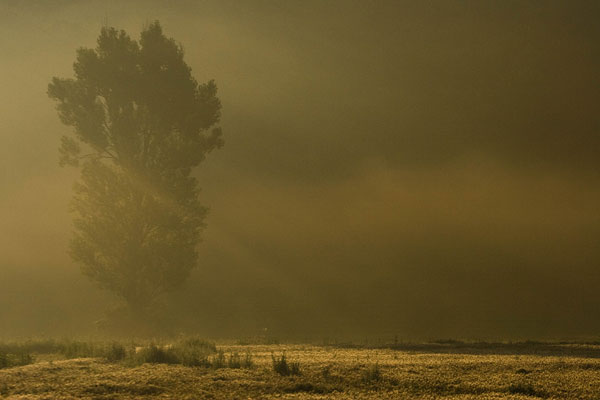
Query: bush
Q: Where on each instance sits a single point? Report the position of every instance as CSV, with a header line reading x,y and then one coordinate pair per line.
x,y
281,366
8,360
115,352
218,361
44,346
193,352
236,361
76,349
156,355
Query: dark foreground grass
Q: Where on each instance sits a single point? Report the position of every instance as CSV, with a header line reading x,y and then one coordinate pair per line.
x,y
192,368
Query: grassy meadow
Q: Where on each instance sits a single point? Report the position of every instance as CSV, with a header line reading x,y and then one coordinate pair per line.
x,y
195,369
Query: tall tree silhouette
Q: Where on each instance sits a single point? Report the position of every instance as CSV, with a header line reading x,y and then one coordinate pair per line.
x,y
141,124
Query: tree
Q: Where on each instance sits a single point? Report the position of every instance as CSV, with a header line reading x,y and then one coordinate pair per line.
x,y
141,124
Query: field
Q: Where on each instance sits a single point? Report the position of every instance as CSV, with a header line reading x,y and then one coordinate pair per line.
x,y
425,371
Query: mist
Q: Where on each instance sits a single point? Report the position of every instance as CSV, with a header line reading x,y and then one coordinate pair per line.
x,y
411,169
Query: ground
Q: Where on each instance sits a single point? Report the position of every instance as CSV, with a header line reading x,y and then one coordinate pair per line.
x,y
326,372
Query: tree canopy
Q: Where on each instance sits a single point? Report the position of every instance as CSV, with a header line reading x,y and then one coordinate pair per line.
x,y
141,124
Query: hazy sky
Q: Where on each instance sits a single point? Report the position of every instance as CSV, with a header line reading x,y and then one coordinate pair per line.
x,y
422,168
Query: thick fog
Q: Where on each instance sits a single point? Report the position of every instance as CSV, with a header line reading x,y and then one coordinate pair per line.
x,y
419,169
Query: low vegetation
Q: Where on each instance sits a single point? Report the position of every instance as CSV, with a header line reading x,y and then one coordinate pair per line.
x,y
194,368
372,374
8,360
282,367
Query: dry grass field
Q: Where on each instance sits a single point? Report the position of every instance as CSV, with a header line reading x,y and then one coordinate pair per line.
x,y
406,372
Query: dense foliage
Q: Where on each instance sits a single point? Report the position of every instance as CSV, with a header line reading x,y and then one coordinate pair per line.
x,y
141,124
